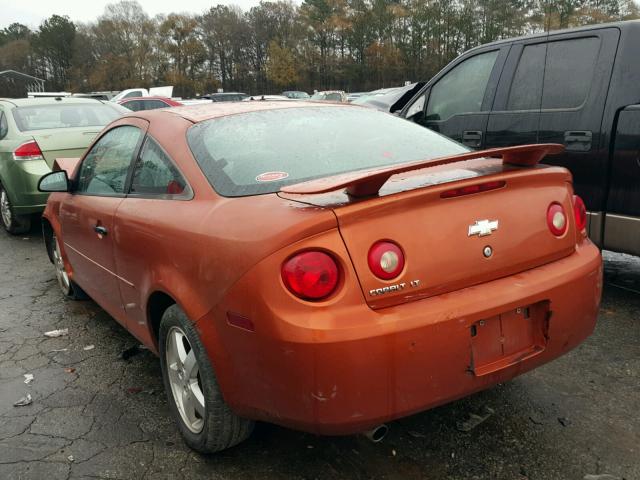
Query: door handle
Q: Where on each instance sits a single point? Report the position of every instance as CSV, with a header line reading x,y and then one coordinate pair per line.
x,y
100,230
578,141
472,138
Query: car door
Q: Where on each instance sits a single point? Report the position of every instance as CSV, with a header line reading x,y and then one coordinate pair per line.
x,y
622,220
515,117
554,90
157,187
458,99
87,215
577,75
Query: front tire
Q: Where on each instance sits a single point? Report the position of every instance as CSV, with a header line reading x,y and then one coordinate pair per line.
x,y
12,223
205,420
68,287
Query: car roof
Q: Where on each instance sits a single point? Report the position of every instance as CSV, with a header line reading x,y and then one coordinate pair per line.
x,y
621,25
155,97
26,102
207,111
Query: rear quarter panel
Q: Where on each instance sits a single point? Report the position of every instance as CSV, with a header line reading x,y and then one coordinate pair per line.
x,y
194,250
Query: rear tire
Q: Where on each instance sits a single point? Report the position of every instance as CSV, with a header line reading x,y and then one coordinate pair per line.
x,y
205,420
12,223
68,287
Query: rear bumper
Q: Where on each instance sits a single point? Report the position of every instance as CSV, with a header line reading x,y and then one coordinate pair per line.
x,y
395,361
21,182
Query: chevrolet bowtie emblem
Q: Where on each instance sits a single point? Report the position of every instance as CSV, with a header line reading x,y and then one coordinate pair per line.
x,y
483,227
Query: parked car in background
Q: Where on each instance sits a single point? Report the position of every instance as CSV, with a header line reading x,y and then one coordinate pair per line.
x,y
263,98
48,94
282,277
148,103
295,95
389,99
330,96
143,92
578,87
33,132
352,96
95,95
225,97
377,93
193,101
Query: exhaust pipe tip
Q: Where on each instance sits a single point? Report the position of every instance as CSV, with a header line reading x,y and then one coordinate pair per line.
x,y
377,434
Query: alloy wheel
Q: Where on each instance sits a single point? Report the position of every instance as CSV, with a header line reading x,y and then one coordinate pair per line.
x,y
184,379
5,208
61,272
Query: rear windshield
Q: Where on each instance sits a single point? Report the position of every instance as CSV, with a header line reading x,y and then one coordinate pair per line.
x,y
259,152
41,117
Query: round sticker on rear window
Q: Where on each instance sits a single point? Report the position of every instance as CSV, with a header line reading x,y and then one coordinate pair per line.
x,y
271,176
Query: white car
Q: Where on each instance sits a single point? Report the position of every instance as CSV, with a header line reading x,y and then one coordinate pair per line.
x,y
143,92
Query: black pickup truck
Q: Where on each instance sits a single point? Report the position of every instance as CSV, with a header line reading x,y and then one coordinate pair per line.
x,y
578,87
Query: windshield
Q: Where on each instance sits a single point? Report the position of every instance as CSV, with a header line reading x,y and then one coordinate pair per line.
x,y
42,117
259,152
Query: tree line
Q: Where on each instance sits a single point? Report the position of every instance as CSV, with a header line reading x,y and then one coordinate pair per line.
x,y
352,45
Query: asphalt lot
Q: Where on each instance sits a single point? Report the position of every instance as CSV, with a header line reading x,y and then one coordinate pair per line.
x,y
95,415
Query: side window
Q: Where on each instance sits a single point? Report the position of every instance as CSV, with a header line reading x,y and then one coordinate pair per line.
x,y
462,89
4,126
153,104
104,169
526,87
134,105
416,108
155,174
569,72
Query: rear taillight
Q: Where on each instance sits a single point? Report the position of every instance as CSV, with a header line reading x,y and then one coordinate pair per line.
x,y
556,219
28,151
580,212
469,189
386,259
311,275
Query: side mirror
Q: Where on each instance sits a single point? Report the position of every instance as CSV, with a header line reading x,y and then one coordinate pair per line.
x,y
54,182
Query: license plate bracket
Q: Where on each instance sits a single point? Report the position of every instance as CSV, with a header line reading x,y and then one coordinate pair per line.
x,y
509,338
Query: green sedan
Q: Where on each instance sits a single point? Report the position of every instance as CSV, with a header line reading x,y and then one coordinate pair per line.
x,y
33,133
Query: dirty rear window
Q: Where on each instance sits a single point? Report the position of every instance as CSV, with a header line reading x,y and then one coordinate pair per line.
x,y
41,117
259,152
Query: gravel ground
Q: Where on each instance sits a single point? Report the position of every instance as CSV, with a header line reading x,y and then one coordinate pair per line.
x,y
95,415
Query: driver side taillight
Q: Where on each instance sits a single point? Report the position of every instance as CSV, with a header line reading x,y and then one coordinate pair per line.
x,y
311,275
28,151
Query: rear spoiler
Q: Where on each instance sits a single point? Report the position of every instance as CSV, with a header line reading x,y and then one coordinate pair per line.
x,y
369,182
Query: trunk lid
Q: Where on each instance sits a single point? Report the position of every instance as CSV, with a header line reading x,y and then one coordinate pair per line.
x,y
440,253
66,142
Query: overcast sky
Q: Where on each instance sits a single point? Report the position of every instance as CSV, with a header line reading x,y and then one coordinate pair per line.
x,y
32,12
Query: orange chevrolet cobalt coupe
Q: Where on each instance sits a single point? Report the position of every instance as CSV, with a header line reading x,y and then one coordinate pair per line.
x,y
321,266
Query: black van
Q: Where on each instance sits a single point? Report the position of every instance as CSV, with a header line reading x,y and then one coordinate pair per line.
x,y
578,87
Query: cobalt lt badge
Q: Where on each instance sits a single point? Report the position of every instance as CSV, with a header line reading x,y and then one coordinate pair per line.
x,y
482,228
